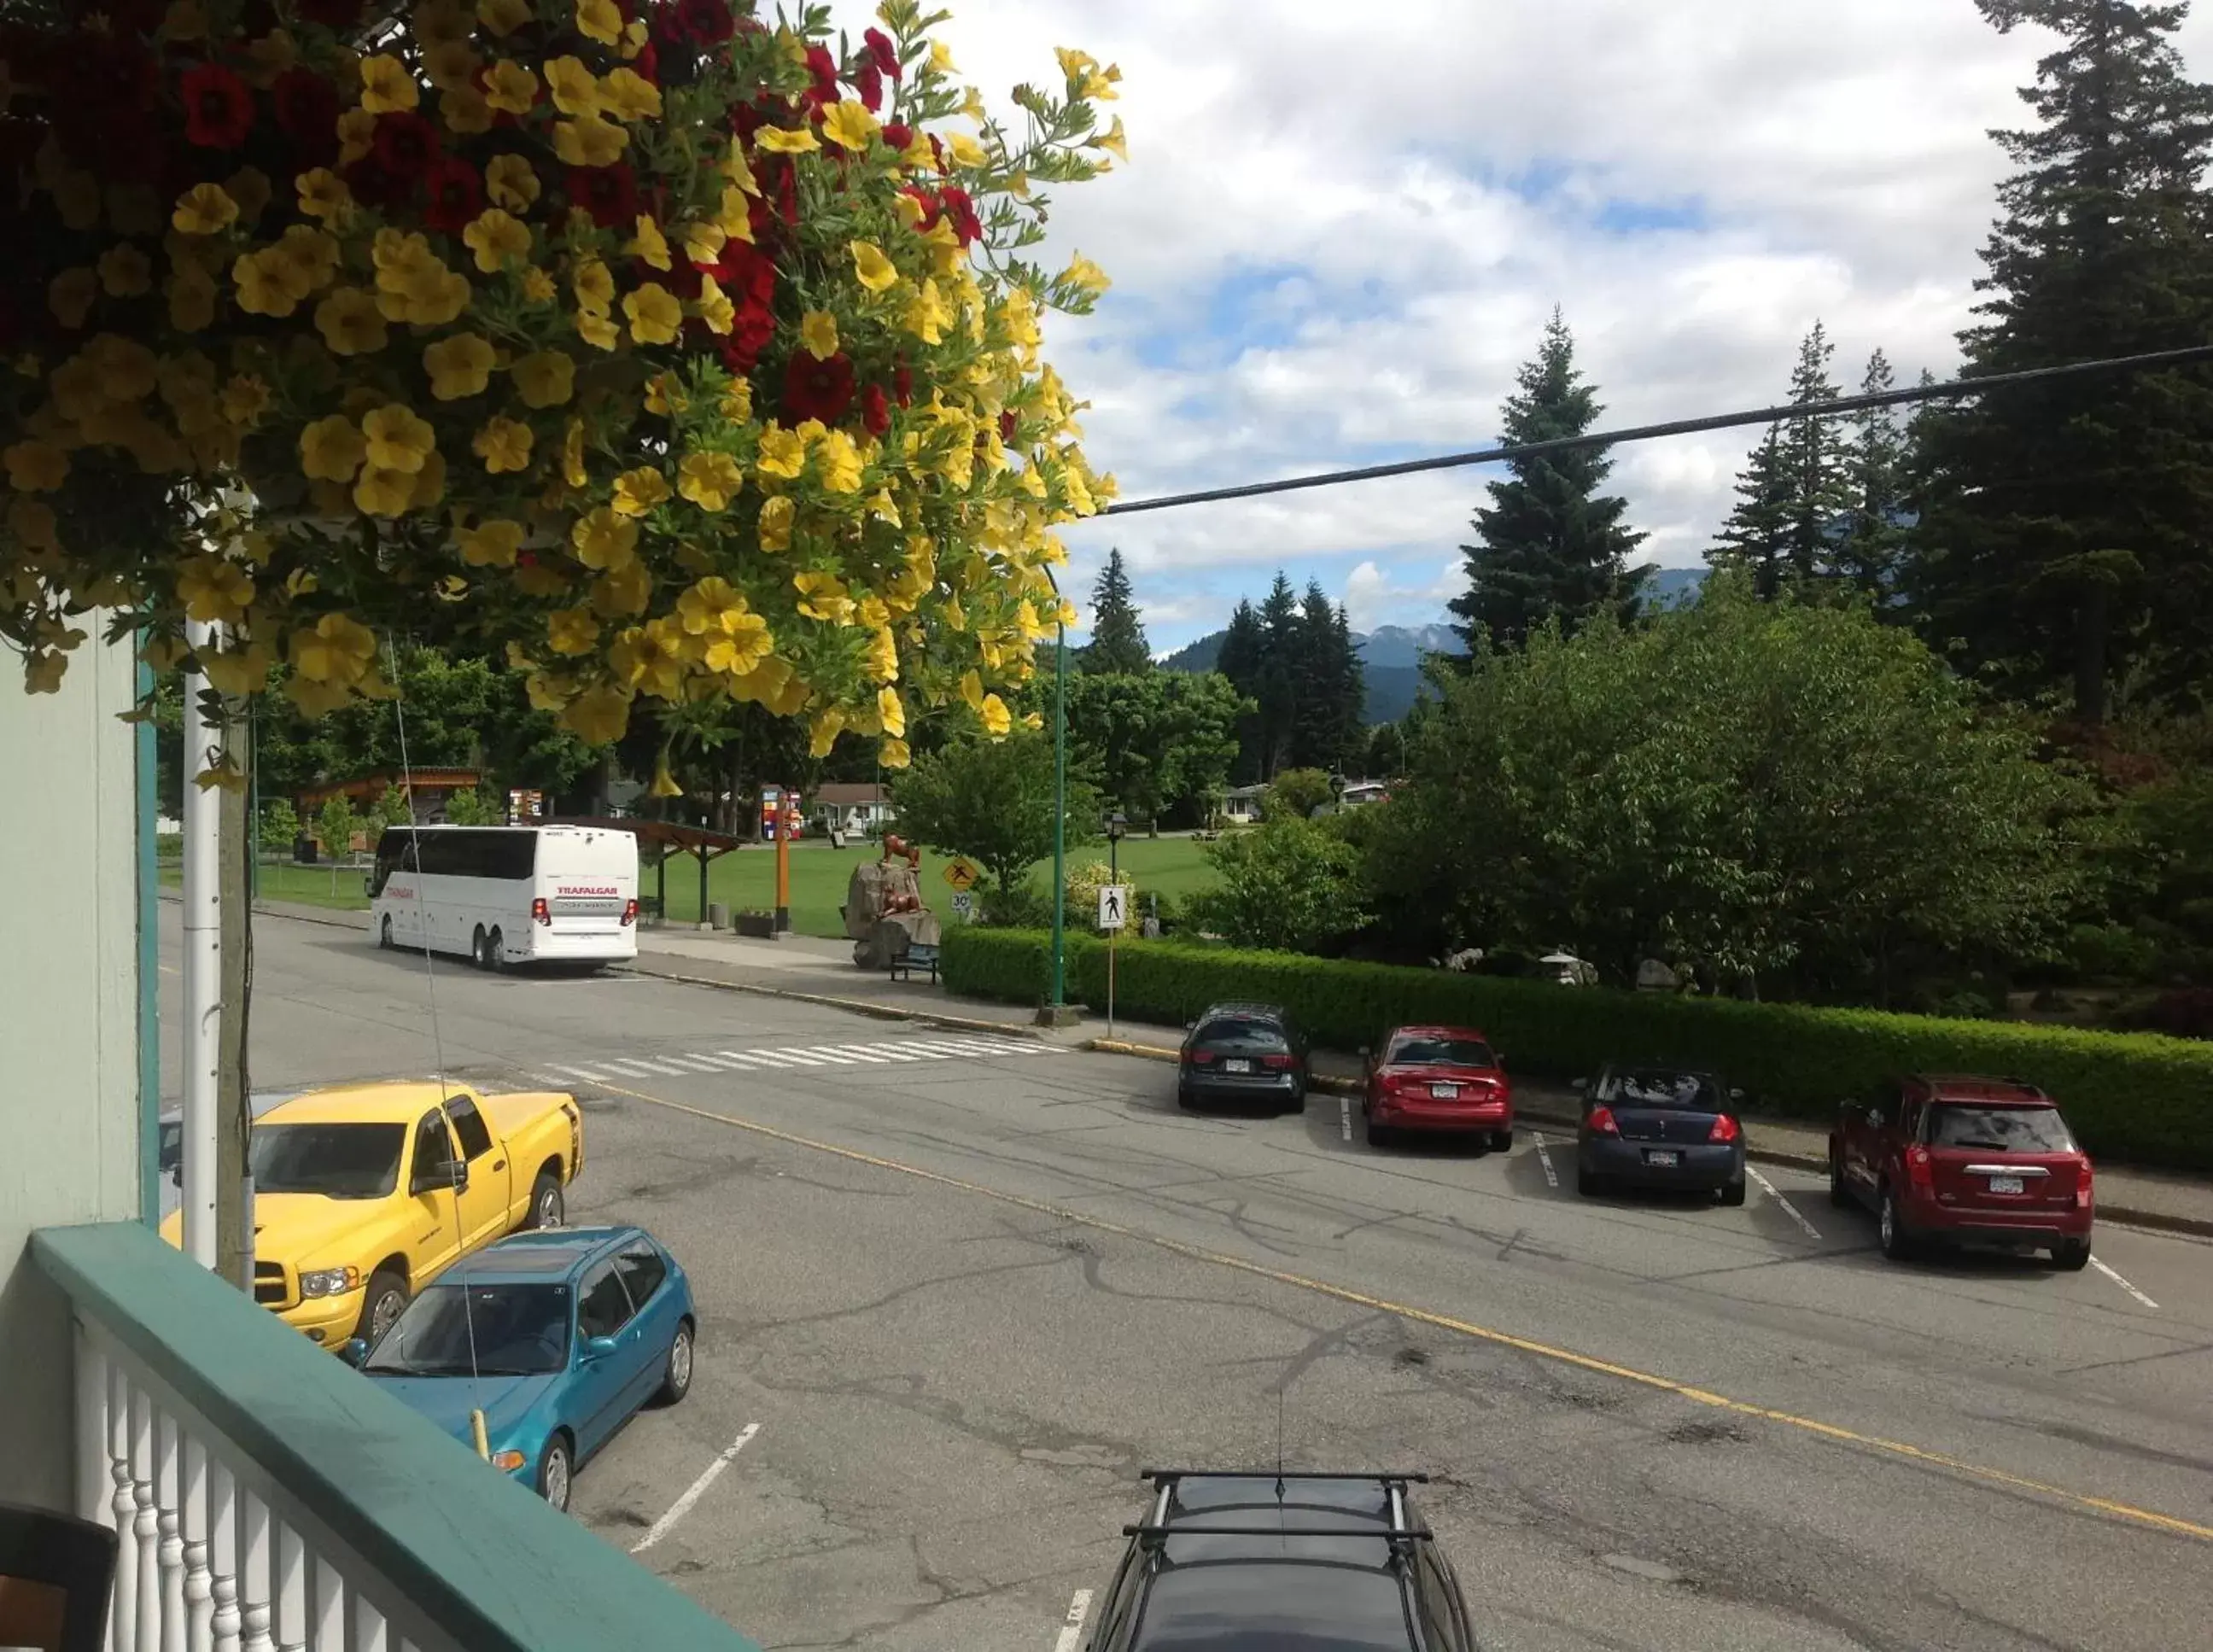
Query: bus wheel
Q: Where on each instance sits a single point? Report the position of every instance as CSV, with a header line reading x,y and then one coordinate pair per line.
x,y
479,955
384,933
495,952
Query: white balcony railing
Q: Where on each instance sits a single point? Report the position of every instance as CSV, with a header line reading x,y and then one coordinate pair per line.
x,y
269,1499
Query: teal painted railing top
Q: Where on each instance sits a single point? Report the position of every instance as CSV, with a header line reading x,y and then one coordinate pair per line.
x,y
474,1552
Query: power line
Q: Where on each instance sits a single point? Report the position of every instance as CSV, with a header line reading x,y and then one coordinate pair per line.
x,y
1956,388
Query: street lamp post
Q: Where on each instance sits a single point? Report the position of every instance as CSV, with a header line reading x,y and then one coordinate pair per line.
x,y
1337,791
1118,827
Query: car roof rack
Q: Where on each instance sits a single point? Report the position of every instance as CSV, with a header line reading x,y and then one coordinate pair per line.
x,y
1161,1474
1399,1532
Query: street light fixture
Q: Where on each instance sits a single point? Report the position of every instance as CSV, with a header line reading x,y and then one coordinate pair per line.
x,y
1117,827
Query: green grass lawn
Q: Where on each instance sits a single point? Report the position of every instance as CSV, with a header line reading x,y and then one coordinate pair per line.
x,y
744,879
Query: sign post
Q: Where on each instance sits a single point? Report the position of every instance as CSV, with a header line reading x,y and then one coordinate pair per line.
x,y
1113,913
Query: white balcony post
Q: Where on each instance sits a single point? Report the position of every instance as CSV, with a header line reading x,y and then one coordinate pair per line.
x,y
168,1502
199,1583
122,1622
255,1577
94,1484
369,1634
145,1525
330,1608
223,1496
291,1591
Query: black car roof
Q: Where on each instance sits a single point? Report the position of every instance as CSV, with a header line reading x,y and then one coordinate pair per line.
x,y
1259,1011
1342,1592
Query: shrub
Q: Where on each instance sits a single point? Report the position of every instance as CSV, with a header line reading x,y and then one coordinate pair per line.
x,y
2136,1096
1084,883
1021,907
2185,1013
1295,793
1288,883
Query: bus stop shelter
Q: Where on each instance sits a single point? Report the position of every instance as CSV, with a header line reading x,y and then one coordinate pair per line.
x,y
659,839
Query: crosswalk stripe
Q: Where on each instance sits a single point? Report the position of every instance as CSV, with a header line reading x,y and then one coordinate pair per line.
x,y
857,1052
828,1054
584,1073
790,1058
705,1064
892,1052
663,1068
748,1057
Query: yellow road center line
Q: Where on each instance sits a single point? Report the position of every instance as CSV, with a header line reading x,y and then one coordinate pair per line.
x,y
1899,1449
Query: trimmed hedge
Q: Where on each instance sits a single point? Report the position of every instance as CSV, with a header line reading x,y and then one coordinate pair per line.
x,y
2134,1096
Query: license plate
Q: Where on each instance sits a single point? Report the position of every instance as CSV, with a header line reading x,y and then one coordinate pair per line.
x,y
1664,1160
1233,1066
1444,1092
2005,1184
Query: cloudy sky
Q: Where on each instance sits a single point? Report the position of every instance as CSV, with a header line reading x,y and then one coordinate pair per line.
x,y
1333,245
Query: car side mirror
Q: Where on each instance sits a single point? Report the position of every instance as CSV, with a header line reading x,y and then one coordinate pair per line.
x,y
1580,1085
598,1348
453,1175
1735,1095
354,1350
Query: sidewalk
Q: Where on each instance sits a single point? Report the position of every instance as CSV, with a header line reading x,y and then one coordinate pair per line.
x,y
814,970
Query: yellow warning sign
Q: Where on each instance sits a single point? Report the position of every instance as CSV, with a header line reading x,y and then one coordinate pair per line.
x,y
961,875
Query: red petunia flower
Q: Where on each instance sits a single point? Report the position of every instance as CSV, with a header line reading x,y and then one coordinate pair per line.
x,y
868,82
745,273
372,183
882,53
647,64
815,389
218,107
903,385
962,211
455,195
750,332
1007,424
932,211
609,194
875,406
703,22
404,144
898,134
823,68
306,107
331,13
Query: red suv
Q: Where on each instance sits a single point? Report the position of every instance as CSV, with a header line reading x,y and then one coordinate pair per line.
x,y
1957,1158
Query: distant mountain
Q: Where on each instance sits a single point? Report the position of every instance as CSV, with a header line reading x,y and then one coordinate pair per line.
x,y
1390,656
1671,587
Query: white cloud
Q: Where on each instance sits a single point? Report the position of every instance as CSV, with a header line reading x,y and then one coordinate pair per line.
x,y
1366,179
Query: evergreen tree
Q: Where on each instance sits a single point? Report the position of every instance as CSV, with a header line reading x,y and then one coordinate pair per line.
x,y
1279,684
1874,466
1117,635
1331,685
1756,538
2057,511
1815,461
1549,545
1244,650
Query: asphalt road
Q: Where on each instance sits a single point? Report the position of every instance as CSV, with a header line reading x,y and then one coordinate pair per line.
x,y
961,1290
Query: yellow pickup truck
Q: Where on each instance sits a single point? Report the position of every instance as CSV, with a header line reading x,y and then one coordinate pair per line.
x,y
364,1194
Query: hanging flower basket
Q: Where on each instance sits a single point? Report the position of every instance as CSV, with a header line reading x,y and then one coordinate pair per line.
x,y
670,351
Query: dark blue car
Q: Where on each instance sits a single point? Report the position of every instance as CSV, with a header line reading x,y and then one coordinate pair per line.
x,y
558,1336
1661,1128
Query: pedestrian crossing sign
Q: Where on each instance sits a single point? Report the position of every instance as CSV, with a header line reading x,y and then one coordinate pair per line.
x,y
1113,906
961,874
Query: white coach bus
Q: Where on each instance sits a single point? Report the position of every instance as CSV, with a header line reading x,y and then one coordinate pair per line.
x,y
504,895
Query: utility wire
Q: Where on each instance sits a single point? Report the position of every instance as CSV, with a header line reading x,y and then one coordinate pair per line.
x,y
1949,391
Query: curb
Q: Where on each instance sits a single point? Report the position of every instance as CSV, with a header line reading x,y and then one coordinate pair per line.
x,y
2124,1214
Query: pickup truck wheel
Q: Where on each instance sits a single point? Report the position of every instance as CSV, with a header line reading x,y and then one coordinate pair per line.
x,y
553,1471
382,1304
384,933
1840,1194
1897,1238
548,1207
676,1374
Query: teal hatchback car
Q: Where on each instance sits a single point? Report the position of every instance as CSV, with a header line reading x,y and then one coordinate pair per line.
x,y
558,1336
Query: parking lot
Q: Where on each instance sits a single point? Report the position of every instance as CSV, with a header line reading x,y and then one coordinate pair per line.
x,y
955,1292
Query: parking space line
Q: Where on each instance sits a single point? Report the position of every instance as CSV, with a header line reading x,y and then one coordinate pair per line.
x,y
2099,1264
1901,1450
1789,1209
693,1492
1544,1158
1071,1629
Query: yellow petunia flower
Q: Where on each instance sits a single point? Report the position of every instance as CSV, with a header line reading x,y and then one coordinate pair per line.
x,y
503,17
496,235
736,403
927,316
648,243
36,466
398,439
784,140
823,729
848,124
1085,276
244,399
323,194
571,630
839,462
387,87
598,19
704,242
818,333
450,64
775,519
512,86
1113,141
572,455
349,322
598,329
638,492
894,754
598,717
429,482
575,92
491,544
664,394
239,670
593,283
588,141
781,452
891,712
124,271
822,596
941,58
266,287
734,218
709,480
624,590
331,449
537,287
654,314
739,170
214,592
604,539
739,645
381,492
628,95
510,183
963,150
545,378
714,306
204,209
460,365
872,268
71,296
504,444
996,718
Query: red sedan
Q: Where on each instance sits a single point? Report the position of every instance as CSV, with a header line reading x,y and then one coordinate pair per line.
x,y
1437,1078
